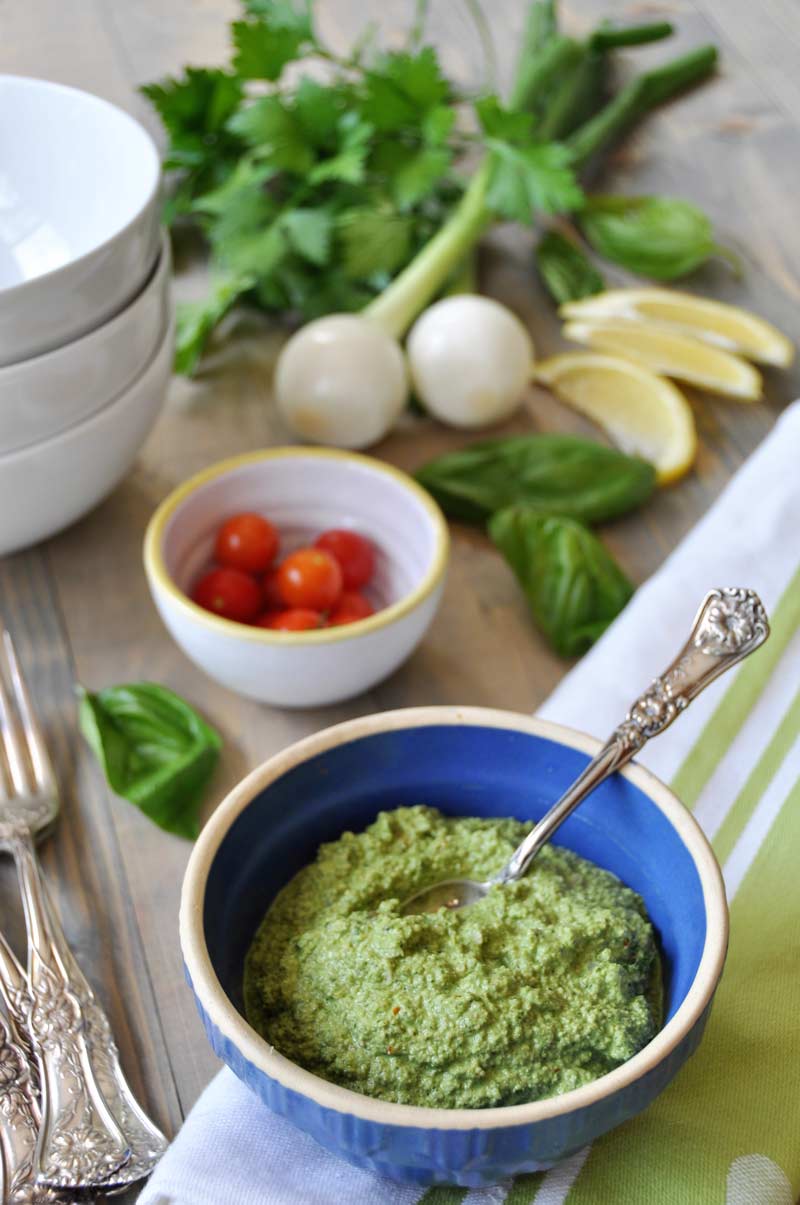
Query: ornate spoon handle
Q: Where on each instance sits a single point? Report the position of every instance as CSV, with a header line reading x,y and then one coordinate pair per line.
x,y
730,624
80,1143
145,1141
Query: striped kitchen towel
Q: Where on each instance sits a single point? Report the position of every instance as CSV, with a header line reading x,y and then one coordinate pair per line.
x,y
727,1130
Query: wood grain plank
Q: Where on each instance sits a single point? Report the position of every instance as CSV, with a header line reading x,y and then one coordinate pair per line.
x,y
766,39
83,860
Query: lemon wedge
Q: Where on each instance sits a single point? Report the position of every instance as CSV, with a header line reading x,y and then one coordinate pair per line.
x,y
675,355
725,326
642,413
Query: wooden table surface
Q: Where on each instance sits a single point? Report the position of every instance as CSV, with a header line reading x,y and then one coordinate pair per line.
x,y
78,605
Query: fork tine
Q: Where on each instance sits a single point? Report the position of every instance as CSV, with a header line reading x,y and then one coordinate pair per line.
x,y
37,750
12,746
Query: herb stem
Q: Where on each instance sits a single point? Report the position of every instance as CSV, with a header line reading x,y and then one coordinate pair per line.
x,y
400,302
637,98
417,30
484,32
541,26
536,72
579,94
465,277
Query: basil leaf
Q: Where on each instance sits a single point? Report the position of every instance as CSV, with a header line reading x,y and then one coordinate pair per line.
x,y
567,273
573,585
155,750
660,237
555,474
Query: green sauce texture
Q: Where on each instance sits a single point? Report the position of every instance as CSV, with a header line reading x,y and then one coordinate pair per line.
x,y
545,984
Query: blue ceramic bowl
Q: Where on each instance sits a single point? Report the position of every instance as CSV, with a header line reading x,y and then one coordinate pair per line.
x,y
465,761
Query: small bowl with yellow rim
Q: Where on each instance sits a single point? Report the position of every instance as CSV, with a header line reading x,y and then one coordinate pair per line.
x,y
302,491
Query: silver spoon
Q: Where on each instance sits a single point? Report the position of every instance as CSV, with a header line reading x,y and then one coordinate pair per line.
x,y
730,624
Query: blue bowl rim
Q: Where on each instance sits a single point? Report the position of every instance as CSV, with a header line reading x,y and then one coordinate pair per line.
x,y
265,1058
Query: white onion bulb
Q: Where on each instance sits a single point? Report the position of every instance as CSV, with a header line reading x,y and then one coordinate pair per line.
x,y
470,360
341,380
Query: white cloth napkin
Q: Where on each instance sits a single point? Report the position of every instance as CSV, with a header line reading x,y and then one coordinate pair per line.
x,y
233,1151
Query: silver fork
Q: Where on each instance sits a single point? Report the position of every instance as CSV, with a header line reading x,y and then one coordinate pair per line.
x,y
93,1130
19,1097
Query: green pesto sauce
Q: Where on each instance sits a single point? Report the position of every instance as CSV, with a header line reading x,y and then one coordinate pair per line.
x,y
545,984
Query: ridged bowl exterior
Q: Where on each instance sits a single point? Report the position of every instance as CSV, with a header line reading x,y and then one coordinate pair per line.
x,y
471,1158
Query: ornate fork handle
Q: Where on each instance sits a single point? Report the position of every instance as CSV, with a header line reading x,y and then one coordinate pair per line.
x,y
80,1143
730,624
145,1141
19,1105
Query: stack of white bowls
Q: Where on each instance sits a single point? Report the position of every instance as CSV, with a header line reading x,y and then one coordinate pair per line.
x,y
86,326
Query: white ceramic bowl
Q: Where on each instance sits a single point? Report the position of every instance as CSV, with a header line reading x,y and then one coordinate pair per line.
x,y
79,213
50,484
303,491
47,394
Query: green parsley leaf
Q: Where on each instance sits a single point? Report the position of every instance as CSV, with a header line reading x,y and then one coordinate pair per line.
x,y
348,166
263,48
240,193
418,76
318,109
256,251
195,110
498,122
269,125
199,103
236,217
402,88
373,240
437,124
418,176
309,232
524,181
385,106
195,320
297,285
283,14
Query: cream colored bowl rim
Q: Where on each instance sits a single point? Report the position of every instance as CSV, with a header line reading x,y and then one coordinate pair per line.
x,y
160,579
256,1050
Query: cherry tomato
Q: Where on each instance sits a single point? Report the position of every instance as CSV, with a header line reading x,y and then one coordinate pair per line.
x,y
351,607
296,619
229,593
248,542
271,590
355,555
310,578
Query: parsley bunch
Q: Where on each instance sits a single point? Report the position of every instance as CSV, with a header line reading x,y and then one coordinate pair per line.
x,y
342,189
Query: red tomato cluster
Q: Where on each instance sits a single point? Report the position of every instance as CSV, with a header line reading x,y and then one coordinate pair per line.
x,y
317,587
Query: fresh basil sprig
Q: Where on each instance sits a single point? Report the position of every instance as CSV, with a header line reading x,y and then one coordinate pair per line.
x,y
155,750
660,237
573,586
567,273
554,474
